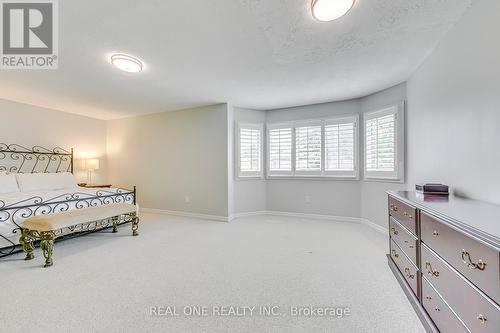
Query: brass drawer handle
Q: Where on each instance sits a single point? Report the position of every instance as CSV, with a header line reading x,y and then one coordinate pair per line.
x,y
428,266
394,208
467,260
395,254
407,215
394,231
408,273
482,318
437,309
409,246
428,297
435,233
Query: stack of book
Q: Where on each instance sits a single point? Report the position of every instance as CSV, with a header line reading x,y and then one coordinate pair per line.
x,y
432,189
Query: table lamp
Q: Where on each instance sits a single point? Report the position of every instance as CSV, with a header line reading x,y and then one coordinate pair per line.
x,y
91,165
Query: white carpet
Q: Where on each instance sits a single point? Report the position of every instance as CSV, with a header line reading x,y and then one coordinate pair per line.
x,y
108,282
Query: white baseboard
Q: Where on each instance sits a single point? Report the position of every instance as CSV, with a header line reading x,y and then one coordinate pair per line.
x,y
247,214
374,226
349,219
185,214
297,215
316,216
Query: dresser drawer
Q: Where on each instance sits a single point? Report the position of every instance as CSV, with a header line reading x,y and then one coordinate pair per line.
x,y
440,313
468,302
405,266
406,241
403,213
465,254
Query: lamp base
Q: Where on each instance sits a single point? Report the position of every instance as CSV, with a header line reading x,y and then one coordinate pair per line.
x,y
89,176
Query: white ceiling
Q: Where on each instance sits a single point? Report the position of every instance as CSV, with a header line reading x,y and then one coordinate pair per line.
x,y
261,54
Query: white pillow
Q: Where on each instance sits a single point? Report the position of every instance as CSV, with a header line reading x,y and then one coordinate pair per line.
x,y
45,181
8,183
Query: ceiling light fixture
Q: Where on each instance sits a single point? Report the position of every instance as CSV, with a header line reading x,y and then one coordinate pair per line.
x,y
127,63
329,10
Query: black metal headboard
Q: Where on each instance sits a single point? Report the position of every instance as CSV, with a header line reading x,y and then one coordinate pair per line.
x,y
15,158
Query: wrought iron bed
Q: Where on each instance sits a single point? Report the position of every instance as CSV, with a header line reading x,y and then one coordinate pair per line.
x,y
15,158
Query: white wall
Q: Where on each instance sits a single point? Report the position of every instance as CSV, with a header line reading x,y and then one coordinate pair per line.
x,y
454,108
451,132
327,197
452,136
30,125
230,161
172,155
453,115
249,194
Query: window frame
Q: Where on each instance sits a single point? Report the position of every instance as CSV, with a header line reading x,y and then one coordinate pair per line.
x,y
240,174
399,159
354,174
323,174
308,123
279,173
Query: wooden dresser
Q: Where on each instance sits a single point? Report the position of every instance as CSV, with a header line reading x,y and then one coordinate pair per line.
x,y
445,253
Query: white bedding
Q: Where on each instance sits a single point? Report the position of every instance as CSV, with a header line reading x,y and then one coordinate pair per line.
x,y
51,198
50,181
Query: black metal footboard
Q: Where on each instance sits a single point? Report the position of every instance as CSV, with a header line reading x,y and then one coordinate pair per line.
x,y
14,214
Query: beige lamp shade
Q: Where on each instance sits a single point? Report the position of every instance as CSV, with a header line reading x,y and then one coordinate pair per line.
x,y
91,164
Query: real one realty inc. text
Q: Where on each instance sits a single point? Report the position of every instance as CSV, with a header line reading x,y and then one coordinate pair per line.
x,y
249,311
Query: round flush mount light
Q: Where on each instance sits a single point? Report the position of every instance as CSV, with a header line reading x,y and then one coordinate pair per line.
x,y
127,63
329,10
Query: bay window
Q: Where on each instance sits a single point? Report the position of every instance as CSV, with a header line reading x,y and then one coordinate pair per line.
x,y
313,148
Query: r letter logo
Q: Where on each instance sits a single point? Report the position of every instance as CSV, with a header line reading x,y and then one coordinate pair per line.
x,y
29,35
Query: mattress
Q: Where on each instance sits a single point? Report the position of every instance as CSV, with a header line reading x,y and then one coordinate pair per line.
x,y
16,207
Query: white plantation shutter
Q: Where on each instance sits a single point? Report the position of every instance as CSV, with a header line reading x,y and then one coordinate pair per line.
x,y
314,148
383,144
308,148
280,150
341,147
250,150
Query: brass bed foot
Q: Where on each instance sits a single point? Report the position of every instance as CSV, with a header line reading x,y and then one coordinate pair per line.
x,y
27,243
47,245
115,224
135,225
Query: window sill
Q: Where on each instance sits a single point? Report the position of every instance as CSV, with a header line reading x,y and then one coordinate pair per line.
x,y
327,178
249,178
384,180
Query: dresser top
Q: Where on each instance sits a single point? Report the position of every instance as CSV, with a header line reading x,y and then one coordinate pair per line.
x,y
476,218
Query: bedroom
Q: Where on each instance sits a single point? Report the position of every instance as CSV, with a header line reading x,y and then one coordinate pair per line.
x,y
246,129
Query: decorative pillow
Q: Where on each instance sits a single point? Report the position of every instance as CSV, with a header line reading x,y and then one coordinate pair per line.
x,y
45,181
8,183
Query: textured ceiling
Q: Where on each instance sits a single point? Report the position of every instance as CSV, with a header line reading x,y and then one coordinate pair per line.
x,y
261,54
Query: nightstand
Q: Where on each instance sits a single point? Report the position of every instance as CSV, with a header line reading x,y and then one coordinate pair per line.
x,y
94,185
